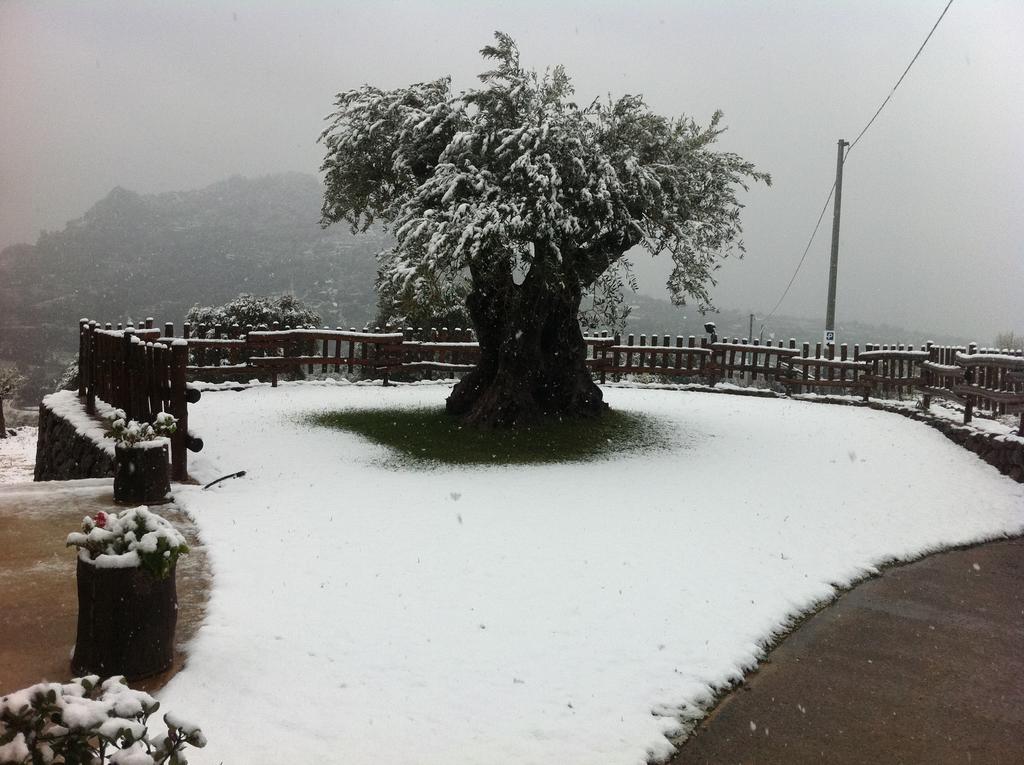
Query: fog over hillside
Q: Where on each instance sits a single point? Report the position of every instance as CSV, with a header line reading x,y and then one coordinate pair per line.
x,y
132,256
652,315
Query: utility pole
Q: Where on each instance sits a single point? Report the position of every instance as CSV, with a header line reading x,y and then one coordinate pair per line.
x,y
750,333
830,311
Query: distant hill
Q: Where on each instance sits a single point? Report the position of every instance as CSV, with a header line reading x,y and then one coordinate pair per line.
x,y
134,255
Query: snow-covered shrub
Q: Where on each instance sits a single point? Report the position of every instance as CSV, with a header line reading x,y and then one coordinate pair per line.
x,y
10,382
88,721
255,310
131,432
131,538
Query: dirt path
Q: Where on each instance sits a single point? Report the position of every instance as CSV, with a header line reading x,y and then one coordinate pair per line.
x,y
38,602
924,664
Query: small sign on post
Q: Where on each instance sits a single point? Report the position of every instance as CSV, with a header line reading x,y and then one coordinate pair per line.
x,y
830,337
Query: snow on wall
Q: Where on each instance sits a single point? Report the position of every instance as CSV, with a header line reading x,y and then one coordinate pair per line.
x,y
71,443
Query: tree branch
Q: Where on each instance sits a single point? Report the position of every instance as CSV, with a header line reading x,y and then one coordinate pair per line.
x,y
593,260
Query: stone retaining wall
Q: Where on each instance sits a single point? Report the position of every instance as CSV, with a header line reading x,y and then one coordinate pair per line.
x,y
63,454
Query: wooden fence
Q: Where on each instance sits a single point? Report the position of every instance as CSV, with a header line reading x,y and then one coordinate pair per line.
x,y
144,371
993,381
128,370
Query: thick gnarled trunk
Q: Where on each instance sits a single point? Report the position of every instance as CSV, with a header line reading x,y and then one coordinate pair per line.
x,y
532,358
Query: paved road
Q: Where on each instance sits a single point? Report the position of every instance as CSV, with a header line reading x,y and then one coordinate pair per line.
x,y
924,664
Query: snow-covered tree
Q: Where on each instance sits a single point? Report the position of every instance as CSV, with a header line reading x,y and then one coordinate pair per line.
x,y
1009,340
525,198
10,381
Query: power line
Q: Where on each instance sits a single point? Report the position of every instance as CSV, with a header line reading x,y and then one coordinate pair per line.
x,y
848,150
803,257
905,71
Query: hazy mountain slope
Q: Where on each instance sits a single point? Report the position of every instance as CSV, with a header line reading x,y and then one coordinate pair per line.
x,y
135,255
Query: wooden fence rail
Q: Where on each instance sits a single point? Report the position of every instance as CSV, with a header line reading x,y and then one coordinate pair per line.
x,y
339,350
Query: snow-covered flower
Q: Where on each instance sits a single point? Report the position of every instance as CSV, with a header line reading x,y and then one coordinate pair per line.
x,y
131,432
128,539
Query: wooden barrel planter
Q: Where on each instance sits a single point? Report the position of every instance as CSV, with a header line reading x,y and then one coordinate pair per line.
x,y
126,621
142,474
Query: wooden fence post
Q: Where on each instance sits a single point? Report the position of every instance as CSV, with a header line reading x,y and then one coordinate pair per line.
x,y
179,409
122,398
135,378
604,358
616,358
92,369
969,378
926,376
383,356
83,355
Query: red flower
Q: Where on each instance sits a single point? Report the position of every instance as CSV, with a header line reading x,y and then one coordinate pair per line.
x,y
101,519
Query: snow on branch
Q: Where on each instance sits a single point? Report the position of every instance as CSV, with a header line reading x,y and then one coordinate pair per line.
x,y
514,174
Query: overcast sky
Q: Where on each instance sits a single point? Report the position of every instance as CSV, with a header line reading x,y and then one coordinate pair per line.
x,y
166,96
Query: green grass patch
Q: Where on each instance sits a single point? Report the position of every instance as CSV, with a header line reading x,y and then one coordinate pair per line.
x,y
432,436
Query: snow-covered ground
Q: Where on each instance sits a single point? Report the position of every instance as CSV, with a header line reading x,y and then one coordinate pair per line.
x,y
544,614
18,455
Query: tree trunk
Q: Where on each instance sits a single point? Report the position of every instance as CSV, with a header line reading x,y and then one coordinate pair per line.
x,y
532,357
3,422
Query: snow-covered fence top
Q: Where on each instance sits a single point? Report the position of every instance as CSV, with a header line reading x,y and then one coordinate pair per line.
x,y
276,336
139,333
1002,360
894,354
